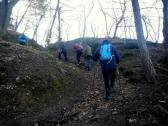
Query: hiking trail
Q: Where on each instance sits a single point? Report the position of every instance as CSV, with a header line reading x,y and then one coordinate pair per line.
x,y
37,89
95,110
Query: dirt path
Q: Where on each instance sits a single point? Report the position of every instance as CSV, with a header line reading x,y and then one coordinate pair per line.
x,y
94,110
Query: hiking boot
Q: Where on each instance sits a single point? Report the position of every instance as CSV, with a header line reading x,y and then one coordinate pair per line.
x,y
108,97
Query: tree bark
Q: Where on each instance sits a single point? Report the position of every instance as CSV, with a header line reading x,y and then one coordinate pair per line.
x,y
36,27
5,13
146,27
121,18
93,31
165,22
21,19
59,25
3,16
105,18
85,19
146,61
119,21
158,34
52,24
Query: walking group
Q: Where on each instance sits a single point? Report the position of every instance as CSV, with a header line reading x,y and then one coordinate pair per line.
x,y
106,53
80,50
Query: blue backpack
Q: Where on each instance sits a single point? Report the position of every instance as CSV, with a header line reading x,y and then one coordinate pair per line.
x,y
23,39
105,52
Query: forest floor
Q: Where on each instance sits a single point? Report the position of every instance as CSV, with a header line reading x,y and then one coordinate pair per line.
x,y
129,106
135,101
95,110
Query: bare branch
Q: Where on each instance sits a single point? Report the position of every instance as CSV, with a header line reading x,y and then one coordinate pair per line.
x,y
105,18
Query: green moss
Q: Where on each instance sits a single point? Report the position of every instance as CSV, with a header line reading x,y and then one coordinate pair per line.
x,y
31,84
122,50
127,59
127,65
24,81
38,91
19,109
58,84
5,45
50,54
128,55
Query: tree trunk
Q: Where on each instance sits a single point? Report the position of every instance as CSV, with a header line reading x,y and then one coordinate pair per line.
x,y
3,16
36,27
158,34
5,13
59,25
21,19
52,24
85,19
105,18
93,31
165,22
146,61
120,18
115,31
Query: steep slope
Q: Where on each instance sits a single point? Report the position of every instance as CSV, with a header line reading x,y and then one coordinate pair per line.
x,y
33,81
36,89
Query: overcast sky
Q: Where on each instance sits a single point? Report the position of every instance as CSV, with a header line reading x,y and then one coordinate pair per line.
x,y
74,12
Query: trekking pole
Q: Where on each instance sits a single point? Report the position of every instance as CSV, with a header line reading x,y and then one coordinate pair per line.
x,y
94,72
119,82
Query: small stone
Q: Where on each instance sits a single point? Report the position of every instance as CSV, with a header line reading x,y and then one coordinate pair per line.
x,y
63,71
35,124
161,101
132,121
3,75
75,118
115,112
18,79
96,92
10,58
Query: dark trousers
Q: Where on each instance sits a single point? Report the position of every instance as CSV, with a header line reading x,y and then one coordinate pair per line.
x,y
64,54
78,56
88,62
109,80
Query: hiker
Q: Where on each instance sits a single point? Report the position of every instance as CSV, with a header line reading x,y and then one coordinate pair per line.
x,y
79,50
109,58
88,57
62,50
23,39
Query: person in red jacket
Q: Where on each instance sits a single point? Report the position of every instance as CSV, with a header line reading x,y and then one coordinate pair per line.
x,y
79,50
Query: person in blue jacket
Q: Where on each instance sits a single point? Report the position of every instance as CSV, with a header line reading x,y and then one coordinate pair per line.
x,y
23,39
62,50
109,59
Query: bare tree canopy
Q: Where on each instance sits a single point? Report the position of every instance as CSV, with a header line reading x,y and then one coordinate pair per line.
x,y
114,19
